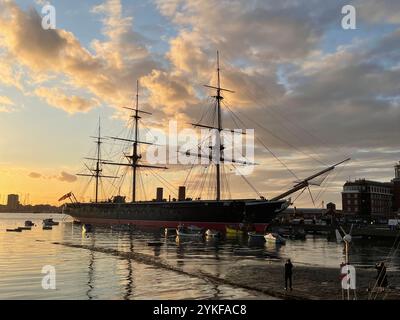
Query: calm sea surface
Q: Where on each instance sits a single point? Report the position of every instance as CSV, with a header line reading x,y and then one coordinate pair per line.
x,y
92,274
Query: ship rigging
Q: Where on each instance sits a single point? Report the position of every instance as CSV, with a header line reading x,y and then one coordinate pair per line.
x,y
216,214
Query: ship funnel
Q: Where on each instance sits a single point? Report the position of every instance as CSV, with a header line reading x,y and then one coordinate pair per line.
x,y
182,193
159,196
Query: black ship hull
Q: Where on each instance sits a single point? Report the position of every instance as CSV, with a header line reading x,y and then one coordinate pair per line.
x,y
206,214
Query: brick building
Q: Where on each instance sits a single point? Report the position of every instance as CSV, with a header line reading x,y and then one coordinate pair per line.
x,y
365,197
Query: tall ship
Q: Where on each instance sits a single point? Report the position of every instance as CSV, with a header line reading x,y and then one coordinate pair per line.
x,y
217,213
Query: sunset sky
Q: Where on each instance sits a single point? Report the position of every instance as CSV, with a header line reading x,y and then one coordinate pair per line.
x,y
320,92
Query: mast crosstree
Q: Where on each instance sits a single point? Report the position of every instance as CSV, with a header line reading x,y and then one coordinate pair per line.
x,y
135,157
97,172
218,149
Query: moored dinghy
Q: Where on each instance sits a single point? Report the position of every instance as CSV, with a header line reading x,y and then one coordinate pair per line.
x,y
29,223
275,238
50,222
170,232
190,231
253,236
230,231
213,233
25,228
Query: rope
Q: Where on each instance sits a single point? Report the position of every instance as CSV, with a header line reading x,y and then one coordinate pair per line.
x,y
390,254
281,139
266,147
248,182
287,119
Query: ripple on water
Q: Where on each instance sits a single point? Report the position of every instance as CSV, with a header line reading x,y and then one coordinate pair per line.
x,y
87,274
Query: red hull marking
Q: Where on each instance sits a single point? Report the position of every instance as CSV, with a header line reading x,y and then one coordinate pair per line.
x,y
220,226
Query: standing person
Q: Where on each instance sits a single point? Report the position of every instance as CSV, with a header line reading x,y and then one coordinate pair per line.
x,y
288,274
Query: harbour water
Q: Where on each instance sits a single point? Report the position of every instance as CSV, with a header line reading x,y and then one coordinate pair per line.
x,y
84,273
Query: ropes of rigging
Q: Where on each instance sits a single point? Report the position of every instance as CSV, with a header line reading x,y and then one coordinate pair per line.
x,y
265,146
142,185
248,182
273,134
163,181
286,118
389,257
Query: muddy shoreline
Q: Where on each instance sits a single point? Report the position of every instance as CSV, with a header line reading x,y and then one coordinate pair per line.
x,y
312,283
309,283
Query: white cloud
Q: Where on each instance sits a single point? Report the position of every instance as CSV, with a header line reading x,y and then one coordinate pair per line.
x,y
108,74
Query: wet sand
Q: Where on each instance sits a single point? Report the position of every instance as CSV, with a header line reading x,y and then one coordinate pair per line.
x,y
312,283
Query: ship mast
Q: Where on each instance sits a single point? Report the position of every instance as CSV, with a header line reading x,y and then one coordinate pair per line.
x,y
135,156
96,172
134,159
219,146
217,156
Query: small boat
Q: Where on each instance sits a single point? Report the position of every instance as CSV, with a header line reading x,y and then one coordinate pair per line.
x,y
170,232
46,227
191,231
255,236
233,232
29,223
87,227
274,238
213,233
50,222
14,230
25,228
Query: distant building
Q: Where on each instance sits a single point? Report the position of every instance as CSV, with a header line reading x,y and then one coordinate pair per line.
x,y
12,201
331,208
311,213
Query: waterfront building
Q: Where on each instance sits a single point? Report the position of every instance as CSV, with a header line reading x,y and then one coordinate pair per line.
x,y
366,197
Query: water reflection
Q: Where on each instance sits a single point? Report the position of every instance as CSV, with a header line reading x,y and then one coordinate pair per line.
x,y
180,252
129,277
90,283
90,274
91,270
